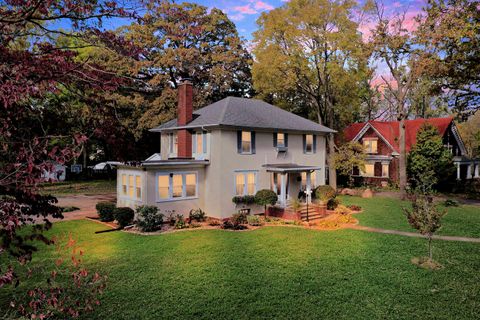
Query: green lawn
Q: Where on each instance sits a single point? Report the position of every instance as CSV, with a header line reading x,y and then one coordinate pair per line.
x,y
79,187
278,272
387,213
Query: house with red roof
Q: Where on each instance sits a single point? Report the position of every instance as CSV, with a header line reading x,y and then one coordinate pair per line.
x,y
381,140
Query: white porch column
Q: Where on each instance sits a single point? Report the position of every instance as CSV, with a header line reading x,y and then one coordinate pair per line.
x,y
458,170
309,186
469,171
283,189
476,170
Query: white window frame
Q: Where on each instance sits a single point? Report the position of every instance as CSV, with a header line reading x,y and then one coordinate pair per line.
x,y
385,169
126,195
170,186
367,145
172,144
241,142
245,187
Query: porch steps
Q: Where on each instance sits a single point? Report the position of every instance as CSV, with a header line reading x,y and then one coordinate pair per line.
x,y
314,212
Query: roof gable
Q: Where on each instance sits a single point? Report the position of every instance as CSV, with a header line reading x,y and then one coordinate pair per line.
x,y
248,113
390,130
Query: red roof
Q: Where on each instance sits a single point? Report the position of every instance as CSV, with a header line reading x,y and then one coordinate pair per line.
x,y
390,130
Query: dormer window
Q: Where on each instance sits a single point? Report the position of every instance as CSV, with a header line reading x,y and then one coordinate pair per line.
x,y
370,145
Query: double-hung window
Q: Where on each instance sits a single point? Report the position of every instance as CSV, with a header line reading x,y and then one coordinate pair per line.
x,y
309,143
172,143
280,140
176,185
246,142
199,145
370,145
245,183
385,168
132,186
369,170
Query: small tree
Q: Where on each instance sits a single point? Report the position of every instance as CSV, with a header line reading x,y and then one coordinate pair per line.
x,y
266,197
429,160
425,217
349,156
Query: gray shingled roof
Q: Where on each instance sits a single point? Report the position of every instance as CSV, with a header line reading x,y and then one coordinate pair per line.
x,y
246,113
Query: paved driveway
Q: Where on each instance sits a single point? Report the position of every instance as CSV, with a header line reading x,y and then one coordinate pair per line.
x,y
86,203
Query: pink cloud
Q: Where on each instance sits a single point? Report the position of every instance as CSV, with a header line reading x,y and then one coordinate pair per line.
x,y
260,5
246,9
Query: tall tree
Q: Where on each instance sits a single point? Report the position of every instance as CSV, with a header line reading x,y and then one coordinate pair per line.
x,y
179,40
395,46
32,69
309,51
449,32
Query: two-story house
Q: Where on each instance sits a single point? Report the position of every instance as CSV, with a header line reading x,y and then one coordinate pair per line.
x,y
381,142
233,147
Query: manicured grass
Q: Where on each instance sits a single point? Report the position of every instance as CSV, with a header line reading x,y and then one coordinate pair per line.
x,y
274,272
387,213
79,187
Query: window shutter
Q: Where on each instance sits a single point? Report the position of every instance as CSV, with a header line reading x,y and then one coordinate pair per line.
x,y
314,144
286,140
253,142
274,139
204,138
304,138
239,141
194,142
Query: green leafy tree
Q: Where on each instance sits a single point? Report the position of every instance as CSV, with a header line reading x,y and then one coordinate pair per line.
x,y
349,156
470,131
309,53
266,197
425,217
429,160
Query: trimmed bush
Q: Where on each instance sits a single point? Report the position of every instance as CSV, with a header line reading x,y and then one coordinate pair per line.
x,y
228,224
266,197
124,216
197,215
254,220
105,211
332,203
149,219
324,193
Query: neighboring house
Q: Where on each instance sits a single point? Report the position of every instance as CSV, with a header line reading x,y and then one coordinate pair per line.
x,y
233,147
381,142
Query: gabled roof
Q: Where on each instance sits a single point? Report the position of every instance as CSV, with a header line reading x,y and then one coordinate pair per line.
x,y
390,130
246,113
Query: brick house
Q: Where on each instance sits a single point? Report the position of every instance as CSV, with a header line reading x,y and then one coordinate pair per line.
x,y
381,142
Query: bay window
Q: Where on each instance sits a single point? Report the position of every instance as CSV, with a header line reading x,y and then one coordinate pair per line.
x,y
131,186
175,186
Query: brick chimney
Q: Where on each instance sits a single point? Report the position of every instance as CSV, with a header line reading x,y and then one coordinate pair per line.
x,y
184,116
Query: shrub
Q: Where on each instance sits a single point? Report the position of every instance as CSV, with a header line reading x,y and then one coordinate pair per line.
x,y
194,225
105,211
239,218
124,216
341,209
254,220
295,204
197,215
213,222
228,224
179,222
354,207
332,203
149,219
450,203
266,197
324,193
243,199
171,217
70,209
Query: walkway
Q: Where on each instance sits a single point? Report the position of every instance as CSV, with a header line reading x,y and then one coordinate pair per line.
x,y
413,234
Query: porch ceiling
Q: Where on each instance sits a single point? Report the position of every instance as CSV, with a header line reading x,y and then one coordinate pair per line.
x,y
289,167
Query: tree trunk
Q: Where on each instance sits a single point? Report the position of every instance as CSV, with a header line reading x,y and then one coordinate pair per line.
x,y
402,166
332,173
